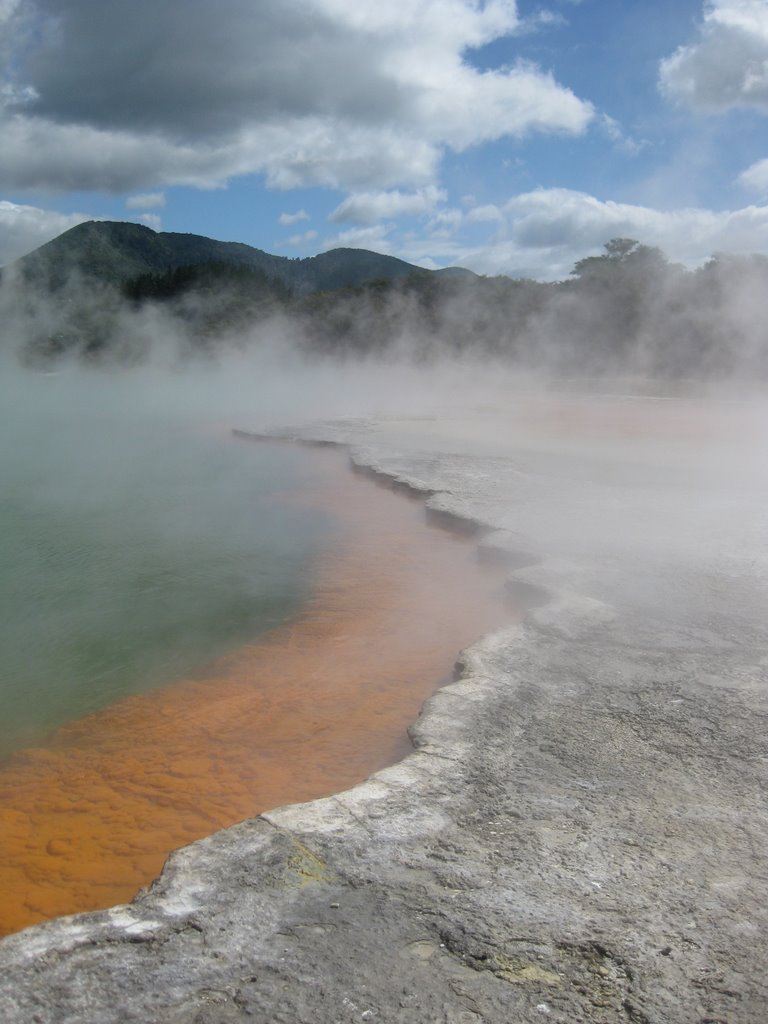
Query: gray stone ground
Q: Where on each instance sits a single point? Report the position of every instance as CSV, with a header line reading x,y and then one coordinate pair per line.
x,y
581,833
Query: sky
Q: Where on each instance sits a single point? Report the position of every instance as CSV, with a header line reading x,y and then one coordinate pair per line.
x,y
508,137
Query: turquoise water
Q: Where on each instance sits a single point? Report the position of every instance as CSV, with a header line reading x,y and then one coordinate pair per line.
x,y
135,546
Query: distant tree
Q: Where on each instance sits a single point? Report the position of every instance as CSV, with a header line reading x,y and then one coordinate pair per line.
x,y
614,298
621,254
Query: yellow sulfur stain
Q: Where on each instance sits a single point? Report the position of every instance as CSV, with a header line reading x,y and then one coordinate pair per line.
x,y
521,972
306,867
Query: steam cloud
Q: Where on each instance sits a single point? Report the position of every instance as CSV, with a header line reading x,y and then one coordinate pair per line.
x,y
628,312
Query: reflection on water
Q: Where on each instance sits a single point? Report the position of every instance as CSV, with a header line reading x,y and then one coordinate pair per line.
x,y
311,708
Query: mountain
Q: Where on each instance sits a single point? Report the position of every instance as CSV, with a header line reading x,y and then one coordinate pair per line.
x,y
114,252
75,295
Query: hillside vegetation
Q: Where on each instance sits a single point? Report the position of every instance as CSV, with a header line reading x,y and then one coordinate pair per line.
x,y
113,252
107,292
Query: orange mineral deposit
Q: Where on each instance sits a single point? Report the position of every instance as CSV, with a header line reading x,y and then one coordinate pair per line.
x,y
308,709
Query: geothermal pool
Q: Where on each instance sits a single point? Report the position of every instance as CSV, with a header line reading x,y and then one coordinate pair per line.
x,y
255,695
131,552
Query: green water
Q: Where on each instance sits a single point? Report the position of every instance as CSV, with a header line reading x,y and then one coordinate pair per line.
x,y
135,546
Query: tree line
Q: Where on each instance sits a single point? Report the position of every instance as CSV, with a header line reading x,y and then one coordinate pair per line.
x,y
627,310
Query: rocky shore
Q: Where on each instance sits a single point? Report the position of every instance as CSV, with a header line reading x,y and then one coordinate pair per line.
x,y
581,833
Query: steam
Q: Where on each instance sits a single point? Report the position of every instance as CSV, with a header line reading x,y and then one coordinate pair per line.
x,y
638,477
626,313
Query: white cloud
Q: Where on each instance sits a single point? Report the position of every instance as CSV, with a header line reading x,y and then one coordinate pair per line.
x,y
384,89
369,207
541,19
146,201
460,107
152,221
489,212
44,156
613,130
560,225
755,177
542,234
727,64
293,218
374,238
451,22
24,228
298,240
446,222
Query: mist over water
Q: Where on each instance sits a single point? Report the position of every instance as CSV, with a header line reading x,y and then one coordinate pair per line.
x,y
628,312
137,542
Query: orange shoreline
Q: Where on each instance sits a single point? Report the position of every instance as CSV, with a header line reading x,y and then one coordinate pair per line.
x,y
311,708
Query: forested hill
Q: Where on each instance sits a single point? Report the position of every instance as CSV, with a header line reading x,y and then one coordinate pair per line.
x,y
107,292
114,252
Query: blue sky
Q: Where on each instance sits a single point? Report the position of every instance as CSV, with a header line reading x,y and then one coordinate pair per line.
x,y
507,137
